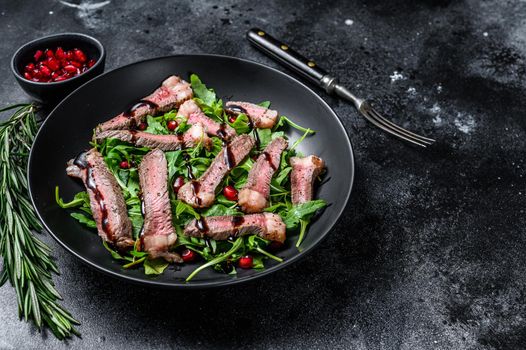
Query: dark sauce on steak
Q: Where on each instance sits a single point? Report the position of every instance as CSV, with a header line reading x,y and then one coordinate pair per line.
x,y
201,225
129,112
235,109
222,132
268,158
229,157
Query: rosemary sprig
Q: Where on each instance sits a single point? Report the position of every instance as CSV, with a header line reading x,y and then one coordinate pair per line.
x,y
27,263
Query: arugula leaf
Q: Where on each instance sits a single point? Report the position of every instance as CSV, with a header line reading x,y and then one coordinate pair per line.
x,y
265,104
241,124
114,254
156,125
183,208
303,211
79,199
220,210
155,266
83,219
207,96
135,215
265,136
284,120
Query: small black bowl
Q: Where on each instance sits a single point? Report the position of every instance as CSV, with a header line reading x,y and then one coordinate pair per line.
x,y
53,92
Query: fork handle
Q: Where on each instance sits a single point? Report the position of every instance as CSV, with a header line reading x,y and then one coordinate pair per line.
x,y
286,55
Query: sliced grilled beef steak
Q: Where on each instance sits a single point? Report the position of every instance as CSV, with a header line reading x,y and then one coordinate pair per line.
x,y
200,193
304,173
171,142
260,117
106,198
169,95
158,234
265,225
194,114
253,198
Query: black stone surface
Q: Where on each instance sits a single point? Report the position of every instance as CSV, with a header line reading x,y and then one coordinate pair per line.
x,y
431,251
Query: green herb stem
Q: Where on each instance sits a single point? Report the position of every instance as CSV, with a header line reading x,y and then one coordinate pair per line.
x,y
264,252
237,244
27,263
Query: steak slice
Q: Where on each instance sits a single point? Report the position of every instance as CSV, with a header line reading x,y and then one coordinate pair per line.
x,y
253,198
158,234
194,114
200,193
260,117
170,142
265,225
169,95
106,198
304,173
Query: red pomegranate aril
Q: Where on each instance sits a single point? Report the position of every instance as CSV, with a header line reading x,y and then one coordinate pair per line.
x,y
188,255
171,125
59,53
232,119
46,72
49,53
178,183
53,64
36,73
60,78
79,55
30,66
27,75
55,75
76,64
230,193
124,164
38,55
70,68
142,126
91,63
246,262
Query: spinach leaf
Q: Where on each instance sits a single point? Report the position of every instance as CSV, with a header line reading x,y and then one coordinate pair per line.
x,y
241,124
156,125
207,96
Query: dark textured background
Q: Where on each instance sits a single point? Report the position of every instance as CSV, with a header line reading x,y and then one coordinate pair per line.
x,y
431,251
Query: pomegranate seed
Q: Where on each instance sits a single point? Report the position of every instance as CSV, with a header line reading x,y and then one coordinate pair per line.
x,y
59,53
27,76
30,66
49,53
38,55
53,64
178,183
188,255
36,73
69,55
60,78
76,64
246,262
70,68
55,75
142,126
46,72
124,164
232,119
171,125
91,63
230,193
79,55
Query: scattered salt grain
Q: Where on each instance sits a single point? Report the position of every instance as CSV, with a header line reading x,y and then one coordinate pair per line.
x,y
349,22
396,76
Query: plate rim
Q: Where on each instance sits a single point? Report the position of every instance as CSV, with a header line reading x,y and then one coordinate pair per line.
x,y
205,284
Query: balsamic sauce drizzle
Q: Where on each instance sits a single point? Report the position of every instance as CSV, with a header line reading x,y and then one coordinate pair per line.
x,y
82,162
235,109
129,112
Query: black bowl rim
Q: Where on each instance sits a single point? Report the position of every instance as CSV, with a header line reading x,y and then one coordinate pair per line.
x,y
203,285
93,40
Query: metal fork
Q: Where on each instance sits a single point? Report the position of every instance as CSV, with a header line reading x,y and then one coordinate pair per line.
x,y
310,70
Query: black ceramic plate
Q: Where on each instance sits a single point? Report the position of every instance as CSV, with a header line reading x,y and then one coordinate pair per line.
x,y
68,129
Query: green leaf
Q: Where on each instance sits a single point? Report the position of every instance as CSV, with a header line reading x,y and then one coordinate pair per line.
x,y
207,96
284,120
183,208
265,104
303,211
220,210
155,266
83,219
265,136
156,126
113,253
241,124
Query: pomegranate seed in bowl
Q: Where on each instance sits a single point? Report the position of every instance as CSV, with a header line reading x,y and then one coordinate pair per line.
x,y
57,65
